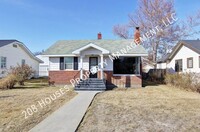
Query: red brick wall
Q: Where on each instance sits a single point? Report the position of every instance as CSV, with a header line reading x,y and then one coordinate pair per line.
x,y
122,81
63,77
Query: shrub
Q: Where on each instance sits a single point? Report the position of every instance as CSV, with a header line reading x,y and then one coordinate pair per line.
x,y
189,81
22,73
8,82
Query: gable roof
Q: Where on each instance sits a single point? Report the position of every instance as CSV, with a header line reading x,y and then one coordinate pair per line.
x,y
191,44
7,42
64,47
104,51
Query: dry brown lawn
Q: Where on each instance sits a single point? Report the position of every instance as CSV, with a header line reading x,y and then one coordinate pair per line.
x,y
13,102
154,108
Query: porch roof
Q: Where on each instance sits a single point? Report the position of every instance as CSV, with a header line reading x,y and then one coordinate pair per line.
x,y
66,47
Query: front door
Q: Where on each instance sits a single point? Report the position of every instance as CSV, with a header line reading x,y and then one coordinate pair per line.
x,y
93,66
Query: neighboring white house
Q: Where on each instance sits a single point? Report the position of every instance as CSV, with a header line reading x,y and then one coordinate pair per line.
x,y
162,63
43,67
185,57
147,65
12,53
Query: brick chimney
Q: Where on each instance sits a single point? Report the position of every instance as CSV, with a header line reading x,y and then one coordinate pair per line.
x,y
99,36
137,35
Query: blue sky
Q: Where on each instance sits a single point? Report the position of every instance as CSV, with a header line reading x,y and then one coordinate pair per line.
x,y
40,23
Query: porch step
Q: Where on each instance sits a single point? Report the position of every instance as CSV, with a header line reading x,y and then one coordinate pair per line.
x,y
91,84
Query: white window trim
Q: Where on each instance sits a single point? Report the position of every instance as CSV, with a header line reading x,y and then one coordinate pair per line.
x,y
69,63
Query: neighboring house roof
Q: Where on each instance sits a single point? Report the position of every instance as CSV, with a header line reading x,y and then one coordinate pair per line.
x,y
191,44
7,42
69,47
164,58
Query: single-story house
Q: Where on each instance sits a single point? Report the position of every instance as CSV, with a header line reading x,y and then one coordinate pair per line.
x,y
185,57
118,62
14,52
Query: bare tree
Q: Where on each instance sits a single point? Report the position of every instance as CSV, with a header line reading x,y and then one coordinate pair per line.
x,y
38,53
156,13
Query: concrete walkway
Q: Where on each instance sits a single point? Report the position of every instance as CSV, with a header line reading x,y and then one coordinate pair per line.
x,y
68,117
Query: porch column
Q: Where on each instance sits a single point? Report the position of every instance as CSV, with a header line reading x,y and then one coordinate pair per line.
x,y
81,67
101,66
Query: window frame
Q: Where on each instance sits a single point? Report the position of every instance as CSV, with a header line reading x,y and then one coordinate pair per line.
x,y
72,58
188,59
179,70
5,63
23,62
138,61
199,61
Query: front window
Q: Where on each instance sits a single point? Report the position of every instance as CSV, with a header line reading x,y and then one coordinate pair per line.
x,y
68,63
3,62
126,65
190,62
199,61
23,62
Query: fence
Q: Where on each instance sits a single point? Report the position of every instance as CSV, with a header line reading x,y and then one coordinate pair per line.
x,y
43,70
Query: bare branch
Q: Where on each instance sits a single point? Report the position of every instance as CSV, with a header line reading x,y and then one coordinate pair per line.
x,y
121,31
151,13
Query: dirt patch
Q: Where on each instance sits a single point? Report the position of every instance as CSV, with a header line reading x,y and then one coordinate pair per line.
x,y
154,108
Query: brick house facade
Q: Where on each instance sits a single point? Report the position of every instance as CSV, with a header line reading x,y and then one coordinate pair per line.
x,y
117,62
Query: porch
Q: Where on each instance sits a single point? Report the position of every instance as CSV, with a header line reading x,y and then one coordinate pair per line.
x,y
92,58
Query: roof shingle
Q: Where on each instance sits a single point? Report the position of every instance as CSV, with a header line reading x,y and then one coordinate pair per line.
x,y
63,47
6,42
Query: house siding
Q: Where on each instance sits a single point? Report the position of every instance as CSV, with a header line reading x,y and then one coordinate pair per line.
x,y
161,66
183,54
14,56
54,63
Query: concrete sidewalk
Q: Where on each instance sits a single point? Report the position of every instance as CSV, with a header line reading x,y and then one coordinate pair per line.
x,y
68,117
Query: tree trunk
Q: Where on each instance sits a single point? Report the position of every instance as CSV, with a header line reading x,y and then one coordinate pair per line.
x,y
155,50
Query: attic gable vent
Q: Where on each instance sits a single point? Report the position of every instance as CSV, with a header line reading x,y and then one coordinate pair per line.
x,y
14,45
